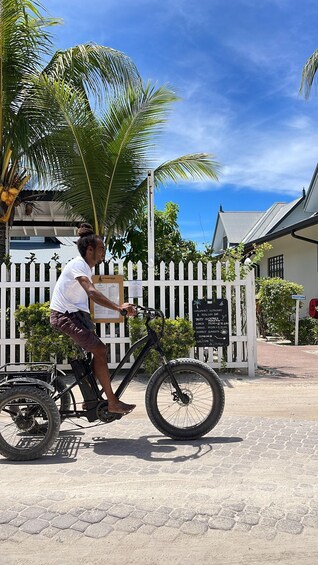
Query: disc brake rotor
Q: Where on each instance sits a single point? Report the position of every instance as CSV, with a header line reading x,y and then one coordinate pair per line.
x,y
189,396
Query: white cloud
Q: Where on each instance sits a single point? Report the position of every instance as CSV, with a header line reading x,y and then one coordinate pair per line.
x,y
239,82
284,165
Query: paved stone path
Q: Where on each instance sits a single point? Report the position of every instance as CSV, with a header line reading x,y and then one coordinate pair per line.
x,y
253,475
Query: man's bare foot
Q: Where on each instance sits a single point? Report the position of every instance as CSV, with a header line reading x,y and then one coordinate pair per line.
x,y
119,407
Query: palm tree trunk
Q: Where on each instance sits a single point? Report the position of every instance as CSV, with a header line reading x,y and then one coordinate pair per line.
x,y
3,236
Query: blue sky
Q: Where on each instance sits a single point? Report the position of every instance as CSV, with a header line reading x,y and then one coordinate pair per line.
x,y
236,64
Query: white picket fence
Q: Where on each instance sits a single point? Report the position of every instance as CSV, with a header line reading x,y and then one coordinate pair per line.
x,y
172,289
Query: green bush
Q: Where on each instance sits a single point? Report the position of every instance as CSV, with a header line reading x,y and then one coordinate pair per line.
x,y
275,307
176,342
308,331
42,341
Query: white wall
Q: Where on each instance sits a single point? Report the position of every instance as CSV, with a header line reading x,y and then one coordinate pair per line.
x,y
300,263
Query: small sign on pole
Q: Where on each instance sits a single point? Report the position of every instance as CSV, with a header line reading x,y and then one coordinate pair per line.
x,y
135,289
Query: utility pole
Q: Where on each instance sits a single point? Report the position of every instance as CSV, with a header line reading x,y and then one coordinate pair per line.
x,y
151,239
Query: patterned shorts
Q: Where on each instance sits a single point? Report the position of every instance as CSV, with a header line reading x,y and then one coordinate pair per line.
x,y
77,325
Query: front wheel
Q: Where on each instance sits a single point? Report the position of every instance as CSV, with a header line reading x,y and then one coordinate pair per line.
x,y
29,423
203,402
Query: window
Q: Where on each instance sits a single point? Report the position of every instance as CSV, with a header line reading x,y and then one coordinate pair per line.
x,y
276,266
225,242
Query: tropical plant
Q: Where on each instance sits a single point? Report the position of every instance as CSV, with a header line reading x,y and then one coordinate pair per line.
x,y
46,101
308,74
176,342
43,343
248,261
112,197
308,331
132,244
275,306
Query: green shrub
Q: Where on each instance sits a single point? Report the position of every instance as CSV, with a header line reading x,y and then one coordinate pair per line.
x,y
42,341
275,307
176,342
308,331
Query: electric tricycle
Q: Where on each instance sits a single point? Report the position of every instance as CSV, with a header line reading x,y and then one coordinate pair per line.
x,y
184,397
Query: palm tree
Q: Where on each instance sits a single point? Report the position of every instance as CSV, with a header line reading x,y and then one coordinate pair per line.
x,y
40,93
115,190
308,74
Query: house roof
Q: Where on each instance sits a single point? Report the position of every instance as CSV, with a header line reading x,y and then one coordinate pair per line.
x,y
292,229
236,223
49,217
257,227
311,197
20,251
279,220
270,220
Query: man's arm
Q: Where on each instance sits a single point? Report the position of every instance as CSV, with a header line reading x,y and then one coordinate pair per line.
x,y
96,296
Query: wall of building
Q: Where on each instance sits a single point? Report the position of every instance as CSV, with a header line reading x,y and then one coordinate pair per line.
x,y
300,263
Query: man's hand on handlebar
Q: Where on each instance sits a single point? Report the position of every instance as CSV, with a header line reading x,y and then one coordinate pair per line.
x,y
127,309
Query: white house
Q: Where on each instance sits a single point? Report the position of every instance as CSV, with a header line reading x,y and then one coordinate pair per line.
x,y
44,231
291,229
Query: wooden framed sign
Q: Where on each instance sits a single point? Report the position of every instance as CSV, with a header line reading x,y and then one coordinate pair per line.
x,y
111,286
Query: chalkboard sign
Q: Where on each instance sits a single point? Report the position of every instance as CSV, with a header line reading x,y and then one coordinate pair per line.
x,y
211,322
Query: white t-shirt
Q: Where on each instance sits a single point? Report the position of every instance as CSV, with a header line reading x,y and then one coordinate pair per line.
x,y
68,294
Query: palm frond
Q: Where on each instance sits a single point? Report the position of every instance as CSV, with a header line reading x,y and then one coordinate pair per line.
x,y
129,128
93,68
63,143
196,166
24,41
309,74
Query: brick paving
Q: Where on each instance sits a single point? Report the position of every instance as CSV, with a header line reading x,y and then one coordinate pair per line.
x,y
254,475
288,360
250,475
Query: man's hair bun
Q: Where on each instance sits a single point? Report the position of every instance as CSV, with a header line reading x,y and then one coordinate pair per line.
x,y
85,230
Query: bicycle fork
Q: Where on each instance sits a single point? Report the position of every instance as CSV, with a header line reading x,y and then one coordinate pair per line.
x,y
180,395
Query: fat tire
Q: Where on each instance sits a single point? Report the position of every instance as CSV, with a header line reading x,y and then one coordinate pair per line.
x,y
53,423
217,405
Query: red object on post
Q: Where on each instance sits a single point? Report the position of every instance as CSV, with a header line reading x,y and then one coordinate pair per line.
x,y
313,308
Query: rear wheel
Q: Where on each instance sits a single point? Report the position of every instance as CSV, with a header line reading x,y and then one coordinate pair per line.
x,y
29,423
203,402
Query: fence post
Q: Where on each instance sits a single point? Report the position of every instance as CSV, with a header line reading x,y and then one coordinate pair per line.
x,y
251,324
151,239
242,332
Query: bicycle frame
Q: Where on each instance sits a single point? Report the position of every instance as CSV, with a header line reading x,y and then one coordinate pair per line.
x,y
93,396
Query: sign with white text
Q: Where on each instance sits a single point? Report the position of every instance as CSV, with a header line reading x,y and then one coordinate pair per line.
x,y
211,322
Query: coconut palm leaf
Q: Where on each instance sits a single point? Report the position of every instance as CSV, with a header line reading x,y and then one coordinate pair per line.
x,y
126,128
43,105
130,127
308,74
23,43
93,69
197,166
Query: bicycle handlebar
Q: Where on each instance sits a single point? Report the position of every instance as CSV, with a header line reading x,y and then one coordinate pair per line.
x,y
148,313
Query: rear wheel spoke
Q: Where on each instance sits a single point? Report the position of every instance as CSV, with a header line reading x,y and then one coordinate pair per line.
x,y
29,423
